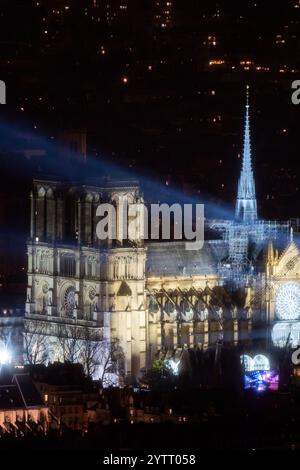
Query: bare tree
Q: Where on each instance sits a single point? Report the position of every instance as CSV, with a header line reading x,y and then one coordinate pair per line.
x,y
35,342
69,339
90,350
112,363
103,358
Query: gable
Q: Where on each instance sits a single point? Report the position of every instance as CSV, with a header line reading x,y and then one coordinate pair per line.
x,y
289,262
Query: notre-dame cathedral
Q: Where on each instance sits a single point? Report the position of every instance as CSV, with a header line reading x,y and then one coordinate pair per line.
x,y
158,296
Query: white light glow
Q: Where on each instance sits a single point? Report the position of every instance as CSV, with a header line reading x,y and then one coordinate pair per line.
x,y
173,366
259,362
295,334
288,301
5,357
280,334
286,332
247,362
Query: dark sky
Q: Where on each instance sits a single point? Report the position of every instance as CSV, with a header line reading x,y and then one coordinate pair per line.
x,y
158,88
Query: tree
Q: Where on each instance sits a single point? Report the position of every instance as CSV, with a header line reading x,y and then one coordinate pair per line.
x,y
112,363
35,342
69,340
103,358
160,376
90,350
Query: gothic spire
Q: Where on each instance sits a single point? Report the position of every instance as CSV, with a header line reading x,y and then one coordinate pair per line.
x,y
246,207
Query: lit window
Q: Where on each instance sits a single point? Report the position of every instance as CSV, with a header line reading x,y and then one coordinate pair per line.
x,y
261,362
216,62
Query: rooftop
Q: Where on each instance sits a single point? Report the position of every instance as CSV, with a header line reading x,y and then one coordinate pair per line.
x,y
173,259
20,393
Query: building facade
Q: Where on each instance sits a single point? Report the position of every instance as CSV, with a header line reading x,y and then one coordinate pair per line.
x,y
76,282
22,410
150,296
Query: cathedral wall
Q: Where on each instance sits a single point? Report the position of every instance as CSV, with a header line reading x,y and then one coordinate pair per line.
x,y
73,278
188,312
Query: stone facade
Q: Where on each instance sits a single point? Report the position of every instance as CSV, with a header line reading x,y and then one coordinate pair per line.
x,y
150,297
75,279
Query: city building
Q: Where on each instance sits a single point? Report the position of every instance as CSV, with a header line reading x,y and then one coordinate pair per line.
x,y
74,401
22,410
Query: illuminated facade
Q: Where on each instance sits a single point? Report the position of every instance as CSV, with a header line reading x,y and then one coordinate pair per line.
x,y
159,296
75,283
282,290
246,207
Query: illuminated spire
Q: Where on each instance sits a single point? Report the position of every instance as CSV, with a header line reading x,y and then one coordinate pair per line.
x,y
246,207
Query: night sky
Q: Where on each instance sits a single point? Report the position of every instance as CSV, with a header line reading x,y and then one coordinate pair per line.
x,y
158,89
